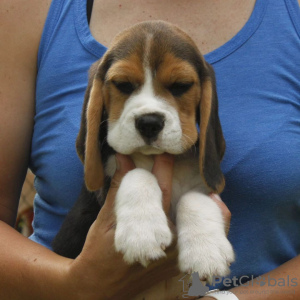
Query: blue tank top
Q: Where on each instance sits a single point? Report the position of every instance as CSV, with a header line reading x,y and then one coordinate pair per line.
x,y
258,81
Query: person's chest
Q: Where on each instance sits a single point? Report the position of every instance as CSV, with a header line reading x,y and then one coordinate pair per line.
x,y
209,23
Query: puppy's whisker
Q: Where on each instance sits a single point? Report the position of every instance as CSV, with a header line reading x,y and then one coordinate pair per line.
x,y
193,147
187,137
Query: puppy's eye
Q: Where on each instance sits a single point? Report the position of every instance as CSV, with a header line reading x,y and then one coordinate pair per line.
x,y
124,87
179,88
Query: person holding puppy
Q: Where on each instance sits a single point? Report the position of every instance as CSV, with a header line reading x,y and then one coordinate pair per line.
x,y
46,51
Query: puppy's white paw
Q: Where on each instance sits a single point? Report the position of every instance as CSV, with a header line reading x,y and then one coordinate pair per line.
x,y
142,231
203,246
143,240
209,255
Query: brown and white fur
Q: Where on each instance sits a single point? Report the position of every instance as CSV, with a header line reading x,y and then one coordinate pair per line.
x,y
151,89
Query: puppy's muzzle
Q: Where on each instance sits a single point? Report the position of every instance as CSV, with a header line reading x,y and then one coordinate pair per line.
x,y
149,126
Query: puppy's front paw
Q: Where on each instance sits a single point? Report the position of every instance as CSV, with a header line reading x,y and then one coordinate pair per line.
x,y
209,255
142,231
203,246
143,240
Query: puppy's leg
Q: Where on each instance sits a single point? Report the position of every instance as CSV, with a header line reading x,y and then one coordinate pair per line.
x,y
142,231
202,242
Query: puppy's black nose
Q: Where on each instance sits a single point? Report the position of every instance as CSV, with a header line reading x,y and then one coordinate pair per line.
x,y
150,125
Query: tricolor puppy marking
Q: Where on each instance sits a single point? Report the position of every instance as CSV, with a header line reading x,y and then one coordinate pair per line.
x,y
145,97
147,124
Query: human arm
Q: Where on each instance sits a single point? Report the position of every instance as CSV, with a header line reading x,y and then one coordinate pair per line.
x,y
271,290
20,275
287,289
20,33
26,267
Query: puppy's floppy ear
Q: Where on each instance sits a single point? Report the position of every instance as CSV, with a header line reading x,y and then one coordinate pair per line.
x,y
87,142
212,143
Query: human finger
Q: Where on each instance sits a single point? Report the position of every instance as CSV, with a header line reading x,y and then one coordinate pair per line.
x,y
163,171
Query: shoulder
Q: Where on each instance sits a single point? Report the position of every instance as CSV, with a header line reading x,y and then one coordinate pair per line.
x,y
23,19
21,9
22,24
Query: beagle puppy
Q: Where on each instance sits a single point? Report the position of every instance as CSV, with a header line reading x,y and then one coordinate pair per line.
x,y
146,96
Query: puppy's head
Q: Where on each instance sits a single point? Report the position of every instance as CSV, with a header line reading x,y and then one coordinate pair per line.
x,y
154,86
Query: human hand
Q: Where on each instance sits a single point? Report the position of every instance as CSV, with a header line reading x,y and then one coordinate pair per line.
x,y
99,272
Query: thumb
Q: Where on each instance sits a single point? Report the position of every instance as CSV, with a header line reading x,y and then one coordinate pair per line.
x,y
124,164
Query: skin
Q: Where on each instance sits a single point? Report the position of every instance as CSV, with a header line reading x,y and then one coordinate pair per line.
x,y
32,271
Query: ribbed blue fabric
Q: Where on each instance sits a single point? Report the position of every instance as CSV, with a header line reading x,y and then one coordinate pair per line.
x,y
258,80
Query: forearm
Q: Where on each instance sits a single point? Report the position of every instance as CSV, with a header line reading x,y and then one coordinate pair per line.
x,y
29,270
280,283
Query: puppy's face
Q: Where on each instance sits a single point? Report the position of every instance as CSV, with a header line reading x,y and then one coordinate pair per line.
x,y
151,102
154,86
